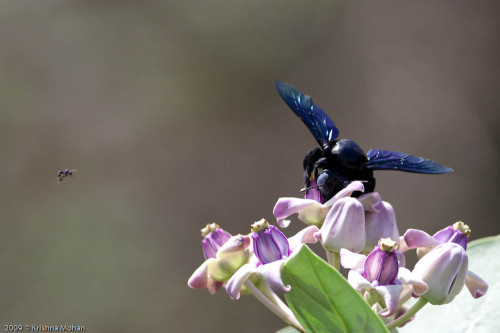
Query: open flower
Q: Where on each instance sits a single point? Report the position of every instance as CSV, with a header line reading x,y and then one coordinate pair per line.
x,y
271,251
459,234
353,223
310,211
223,258
379,276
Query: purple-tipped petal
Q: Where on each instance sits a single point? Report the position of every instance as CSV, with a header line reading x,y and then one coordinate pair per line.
x,y
380,224
351,260
234,244
199,279
271,273
371,201
418,286
403,247
310,211
391,298
235,283
417,238
309,235
283,223
344,226
477,286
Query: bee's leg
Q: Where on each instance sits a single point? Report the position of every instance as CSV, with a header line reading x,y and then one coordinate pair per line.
x,y
309,164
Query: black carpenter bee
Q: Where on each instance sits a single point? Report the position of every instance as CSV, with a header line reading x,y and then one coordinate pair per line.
x,y
339,162
61,174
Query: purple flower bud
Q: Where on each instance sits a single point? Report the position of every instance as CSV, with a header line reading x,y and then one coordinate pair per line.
x,y
382,265
458,233
444,269
269,244
214,238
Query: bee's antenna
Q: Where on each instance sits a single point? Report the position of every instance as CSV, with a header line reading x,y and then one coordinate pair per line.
x,y
308,188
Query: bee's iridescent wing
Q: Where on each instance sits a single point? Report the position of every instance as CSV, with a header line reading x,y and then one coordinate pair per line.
x,y
379,159
321,126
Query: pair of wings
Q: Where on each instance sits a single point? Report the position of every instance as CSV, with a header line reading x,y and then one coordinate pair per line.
x,y
324,130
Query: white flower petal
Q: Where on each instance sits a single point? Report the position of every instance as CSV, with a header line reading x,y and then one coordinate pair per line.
x,y
351,260
390,294
271,273
235,283
371,201
199,278
310,211
309,234
357,281
477,286
418,286
417,238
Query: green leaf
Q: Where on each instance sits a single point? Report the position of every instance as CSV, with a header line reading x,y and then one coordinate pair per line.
x,y
322,299
464,313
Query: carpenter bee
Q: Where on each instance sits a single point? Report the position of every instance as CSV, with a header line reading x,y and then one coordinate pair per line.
x,y
61,174
332,167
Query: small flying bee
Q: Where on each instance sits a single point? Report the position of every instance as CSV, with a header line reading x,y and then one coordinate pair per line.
x,y
61,174
337,163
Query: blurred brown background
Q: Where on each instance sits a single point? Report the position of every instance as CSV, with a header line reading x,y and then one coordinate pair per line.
x,y
169,113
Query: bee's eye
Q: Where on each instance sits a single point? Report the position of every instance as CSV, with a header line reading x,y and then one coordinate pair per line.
x,y
328,179
330,183
322,178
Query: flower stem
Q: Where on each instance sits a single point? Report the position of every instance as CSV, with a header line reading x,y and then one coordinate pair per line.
x,y
333,259
283,313
414,309
273,297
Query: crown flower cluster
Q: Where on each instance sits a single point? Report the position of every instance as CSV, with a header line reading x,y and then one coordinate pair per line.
x,y
358,233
